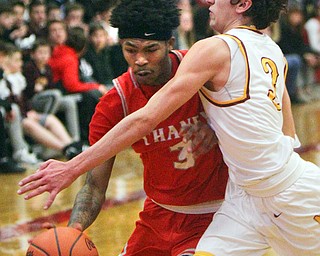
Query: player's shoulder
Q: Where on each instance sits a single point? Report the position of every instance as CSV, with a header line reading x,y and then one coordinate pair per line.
x,y
209,51
214,43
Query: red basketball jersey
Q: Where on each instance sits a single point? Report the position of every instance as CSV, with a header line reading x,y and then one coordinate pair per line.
x,y
167,180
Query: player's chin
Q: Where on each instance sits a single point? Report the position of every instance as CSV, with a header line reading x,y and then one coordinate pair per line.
x,y
145,79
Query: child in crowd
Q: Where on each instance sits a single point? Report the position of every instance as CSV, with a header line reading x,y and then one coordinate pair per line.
x,y
7,164
45,129
41,93
13,114
37,71
98,54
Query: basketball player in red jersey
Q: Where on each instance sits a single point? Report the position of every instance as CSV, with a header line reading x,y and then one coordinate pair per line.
x,y
183,191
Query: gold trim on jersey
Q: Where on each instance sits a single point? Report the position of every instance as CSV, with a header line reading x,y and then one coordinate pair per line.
x,y
201,253
251,28
285,69
245,95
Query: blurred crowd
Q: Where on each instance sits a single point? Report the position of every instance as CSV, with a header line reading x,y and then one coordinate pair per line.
x,y
58,57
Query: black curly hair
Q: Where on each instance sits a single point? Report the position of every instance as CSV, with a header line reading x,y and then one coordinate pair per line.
x,y
265,12
135,17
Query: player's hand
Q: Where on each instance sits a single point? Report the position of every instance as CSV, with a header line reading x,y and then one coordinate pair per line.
x,y
199,137
52,176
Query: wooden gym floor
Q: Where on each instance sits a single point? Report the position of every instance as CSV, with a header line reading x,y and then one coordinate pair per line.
x,y
20,220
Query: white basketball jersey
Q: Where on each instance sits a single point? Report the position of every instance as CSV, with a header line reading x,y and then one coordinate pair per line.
x,y
246,114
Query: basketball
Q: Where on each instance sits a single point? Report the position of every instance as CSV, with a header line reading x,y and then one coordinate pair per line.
x,y
62,241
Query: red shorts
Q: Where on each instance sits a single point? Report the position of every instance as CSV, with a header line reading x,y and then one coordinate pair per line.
x,y
160,232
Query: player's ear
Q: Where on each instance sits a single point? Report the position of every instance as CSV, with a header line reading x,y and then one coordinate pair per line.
x,y
245,4
171,42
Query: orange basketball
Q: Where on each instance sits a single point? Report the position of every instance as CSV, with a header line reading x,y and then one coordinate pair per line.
x,y
62,241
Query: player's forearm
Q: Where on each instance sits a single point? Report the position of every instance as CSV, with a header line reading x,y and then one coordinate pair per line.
x,y
87,205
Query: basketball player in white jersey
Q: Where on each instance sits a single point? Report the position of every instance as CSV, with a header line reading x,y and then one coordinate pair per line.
x,y
273,195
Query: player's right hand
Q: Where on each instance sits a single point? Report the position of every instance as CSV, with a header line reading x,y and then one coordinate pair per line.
x,y
202,138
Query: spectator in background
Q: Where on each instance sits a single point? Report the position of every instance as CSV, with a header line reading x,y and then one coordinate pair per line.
x,y
103,14
7,164
98,54
309,8
57,35
201,24
20,27
41,92
19,9
7,20
36,26
67,75
301,59
89,6
38,18
20,149
37,72
53,12
74,13
56,32
312,28
185,34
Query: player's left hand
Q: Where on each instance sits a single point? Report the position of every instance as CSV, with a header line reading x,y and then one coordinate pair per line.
x,y
201,136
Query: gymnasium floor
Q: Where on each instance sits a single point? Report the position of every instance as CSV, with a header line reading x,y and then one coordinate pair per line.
x,y
20,220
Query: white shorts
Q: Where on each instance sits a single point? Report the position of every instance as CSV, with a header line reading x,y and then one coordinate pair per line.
x,y
289,222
